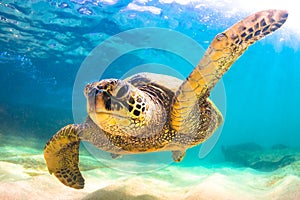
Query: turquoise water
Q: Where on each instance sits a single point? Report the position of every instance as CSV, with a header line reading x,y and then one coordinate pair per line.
x,y
43,45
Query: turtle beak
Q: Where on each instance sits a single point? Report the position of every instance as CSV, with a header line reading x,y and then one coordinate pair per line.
x,y
91,97
99,100
99,96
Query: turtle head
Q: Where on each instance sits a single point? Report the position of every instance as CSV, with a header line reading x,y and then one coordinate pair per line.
x,y
115,105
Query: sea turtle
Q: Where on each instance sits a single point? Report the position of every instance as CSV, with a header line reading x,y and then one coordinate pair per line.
x,y
153,112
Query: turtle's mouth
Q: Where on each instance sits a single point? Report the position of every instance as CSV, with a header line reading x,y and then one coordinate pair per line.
x,y
112,115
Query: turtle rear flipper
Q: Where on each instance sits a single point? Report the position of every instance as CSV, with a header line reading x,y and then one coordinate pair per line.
x,y
178,155
62,156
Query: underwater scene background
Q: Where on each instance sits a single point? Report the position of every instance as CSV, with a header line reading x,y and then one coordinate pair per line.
x,y
43,46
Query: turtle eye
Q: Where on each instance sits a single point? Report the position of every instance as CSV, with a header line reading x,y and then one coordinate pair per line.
x,y
122,91
220,36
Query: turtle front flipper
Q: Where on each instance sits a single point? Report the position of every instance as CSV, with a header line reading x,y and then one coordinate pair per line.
x,y
62,156
115,156
223,51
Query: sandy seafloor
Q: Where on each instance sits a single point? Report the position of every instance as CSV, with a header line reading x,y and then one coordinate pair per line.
x,y
23,175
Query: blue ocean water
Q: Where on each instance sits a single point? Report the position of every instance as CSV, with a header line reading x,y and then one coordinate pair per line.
x,y
43,44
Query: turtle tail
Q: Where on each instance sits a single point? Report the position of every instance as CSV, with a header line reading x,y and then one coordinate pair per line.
x,y
223,51
62,156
